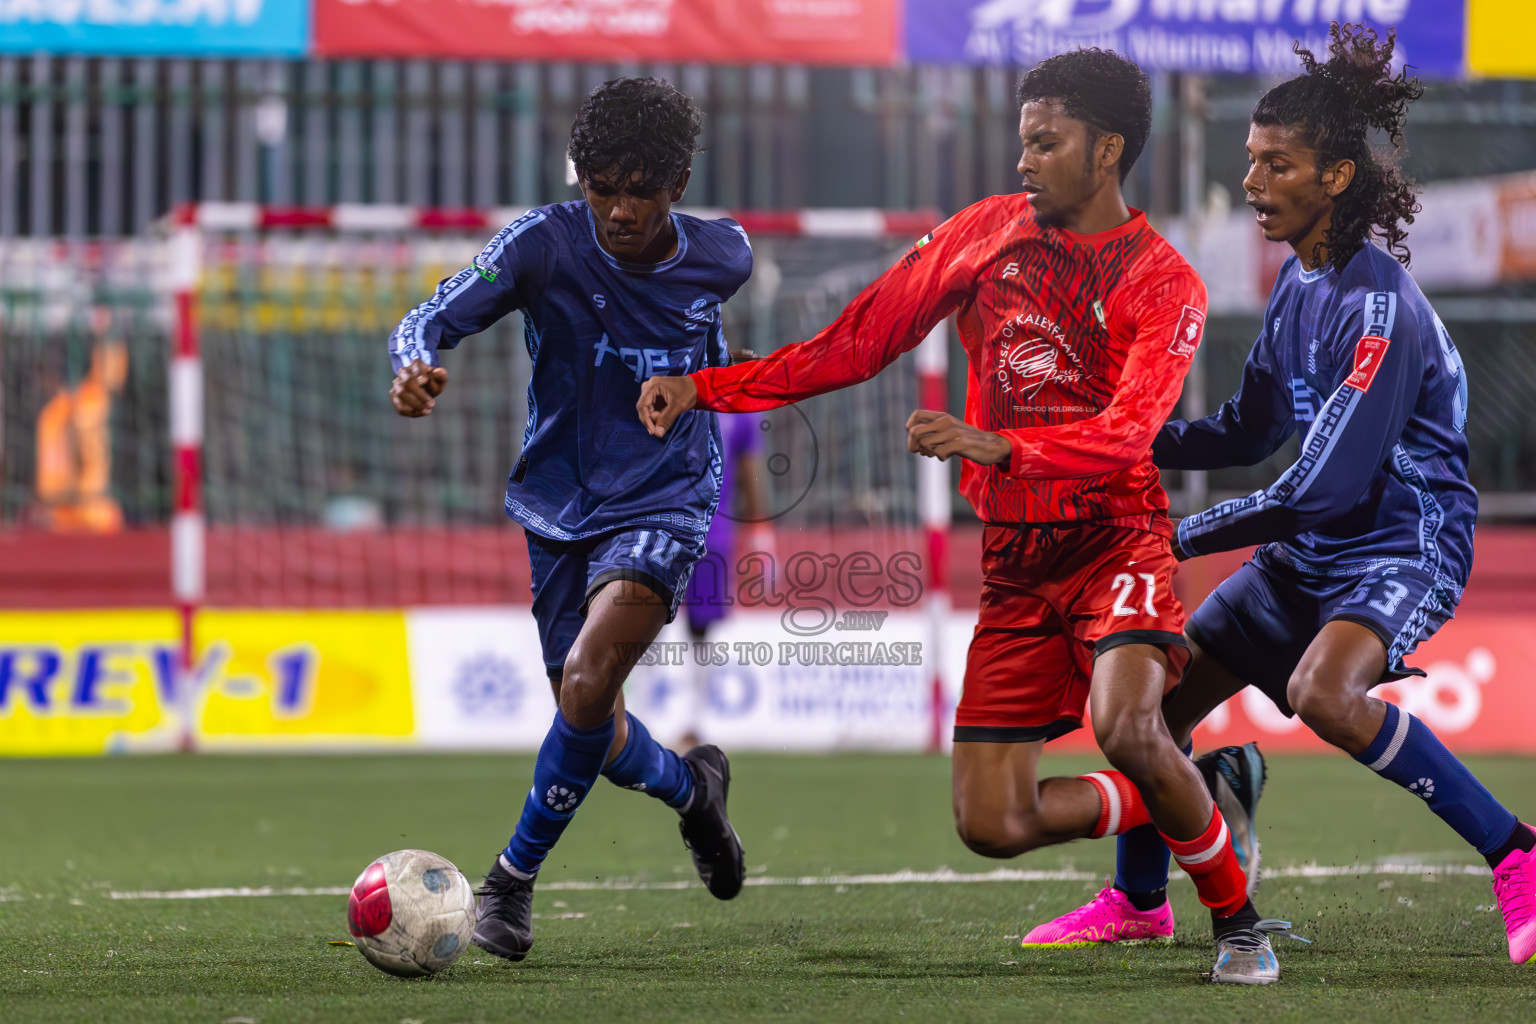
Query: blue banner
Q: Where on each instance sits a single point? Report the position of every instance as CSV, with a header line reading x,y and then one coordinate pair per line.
x,y
1212,36
153,27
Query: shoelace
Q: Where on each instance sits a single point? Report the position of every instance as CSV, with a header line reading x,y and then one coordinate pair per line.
x,y
501,887
1084,910
1256,939
1515,899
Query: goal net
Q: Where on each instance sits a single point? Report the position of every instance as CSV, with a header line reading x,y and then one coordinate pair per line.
x,y
214,398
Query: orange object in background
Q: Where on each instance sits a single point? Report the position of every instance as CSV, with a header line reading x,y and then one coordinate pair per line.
x,y
74,449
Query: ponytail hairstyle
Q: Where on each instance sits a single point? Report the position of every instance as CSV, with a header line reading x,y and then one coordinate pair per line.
x,y
1337,103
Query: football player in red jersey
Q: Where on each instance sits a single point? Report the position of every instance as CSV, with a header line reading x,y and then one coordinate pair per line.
x,y
1079,322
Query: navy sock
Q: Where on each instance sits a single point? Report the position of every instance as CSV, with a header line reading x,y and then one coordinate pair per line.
x,y
1407,753
1141,861
651,768
570,761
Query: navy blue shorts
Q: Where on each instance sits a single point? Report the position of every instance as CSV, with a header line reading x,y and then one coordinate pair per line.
x,y
1261,620
566,573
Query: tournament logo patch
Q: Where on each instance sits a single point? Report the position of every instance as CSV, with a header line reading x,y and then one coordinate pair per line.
x,y
1369,352
1186,336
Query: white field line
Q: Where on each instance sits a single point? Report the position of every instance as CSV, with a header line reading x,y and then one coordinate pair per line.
x,y
944,876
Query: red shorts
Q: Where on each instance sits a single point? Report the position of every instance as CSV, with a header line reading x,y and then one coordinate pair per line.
x,y
1052,599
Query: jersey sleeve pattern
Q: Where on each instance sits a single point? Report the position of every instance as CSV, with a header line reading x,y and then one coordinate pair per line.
x,y
495,284
888,318
1353,436
1168,312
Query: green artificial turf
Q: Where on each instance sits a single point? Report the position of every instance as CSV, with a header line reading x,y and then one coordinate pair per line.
x,y
73,833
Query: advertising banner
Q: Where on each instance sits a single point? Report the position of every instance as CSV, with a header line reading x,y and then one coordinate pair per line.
x,y
1499,38
1516,217
714,31
1474,696
478,684
1231,37
303,678
477,679
152,27
87,682
112,682
471,679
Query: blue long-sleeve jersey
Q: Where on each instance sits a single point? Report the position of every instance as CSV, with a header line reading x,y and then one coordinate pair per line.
x,y
596,327
1361,363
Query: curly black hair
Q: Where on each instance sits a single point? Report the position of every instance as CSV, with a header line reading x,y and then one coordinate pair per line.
x,y
1102,89
1337,104
635,124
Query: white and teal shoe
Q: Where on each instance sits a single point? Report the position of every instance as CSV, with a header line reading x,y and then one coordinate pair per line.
x,y
1245,957
1235,776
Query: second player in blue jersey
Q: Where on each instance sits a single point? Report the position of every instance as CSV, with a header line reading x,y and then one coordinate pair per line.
x,y
613,289
1365,541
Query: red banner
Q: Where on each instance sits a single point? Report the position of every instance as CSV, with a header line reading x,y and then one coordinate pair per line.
x,y
1477,696
714,31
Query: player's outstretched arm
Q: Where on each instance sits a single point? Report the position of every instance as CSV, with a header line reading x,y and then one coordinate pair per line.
x,y
416,387
893,315
1247,429
507,271
663,400
1353,437
940,435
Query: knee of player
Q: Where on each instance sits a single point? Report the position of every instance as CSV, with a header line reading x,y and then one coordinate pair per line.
x,y
1000,839
586,689
1130,744
1317,699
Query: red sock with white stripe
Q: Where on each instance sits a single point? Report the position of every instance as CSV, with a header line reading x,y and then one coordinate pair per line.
x,y
1120,805
1213,867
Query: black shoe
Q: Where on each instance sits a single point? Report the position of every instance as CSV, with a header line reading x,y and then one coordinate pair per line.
x,y
504,914
707,832
1235,776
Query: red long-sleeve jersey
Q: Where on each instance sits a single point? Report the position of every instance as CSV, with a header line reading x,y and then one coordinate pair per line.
x,y
1077,345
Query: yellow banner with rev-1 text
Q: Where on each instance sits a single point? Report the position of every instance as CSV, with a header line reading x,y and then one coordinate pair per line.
x,y
109,682
87,682
296,679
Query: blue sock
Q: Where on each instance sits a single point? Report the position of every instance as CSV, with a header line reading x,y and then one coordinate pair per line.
x,y
1141,860
1407,753
651,768
570,760
1141,856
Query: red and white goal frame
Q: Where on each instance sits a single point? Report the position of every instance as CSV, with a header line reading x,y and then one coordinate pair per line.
x,y
186,230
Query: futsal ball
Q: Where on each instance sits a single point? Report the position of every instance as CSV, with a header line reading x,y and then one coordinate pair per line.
x,y
411,913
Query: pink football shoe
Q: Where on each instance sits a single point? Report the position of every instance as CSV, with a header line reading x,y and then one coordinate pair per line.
x,y
1108,917
1514,884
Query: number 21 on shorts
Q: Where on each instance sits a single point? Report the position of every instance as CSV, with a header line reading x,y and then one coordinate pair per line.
x,y
1125,584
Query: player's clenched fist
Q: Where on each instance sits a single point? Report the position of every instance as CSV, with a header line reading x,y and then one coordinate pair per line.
x,y
415,388
663,400
940,435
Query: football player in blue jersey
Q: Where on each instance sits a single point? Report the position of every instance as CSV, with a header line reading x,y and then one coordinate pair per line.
x,y
1365,542
613,288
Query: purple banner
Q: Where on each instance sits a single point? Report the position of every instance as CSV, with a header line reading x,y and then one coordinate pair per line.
x,y
1213,36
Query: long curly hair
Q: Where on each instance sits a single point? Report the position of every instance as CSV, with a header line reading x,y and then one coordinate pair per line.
x,y
635,124
1337,103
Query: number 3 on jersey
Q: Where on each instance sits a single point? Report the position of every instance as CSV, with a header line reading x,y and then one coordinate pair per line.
x,y
1125,584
